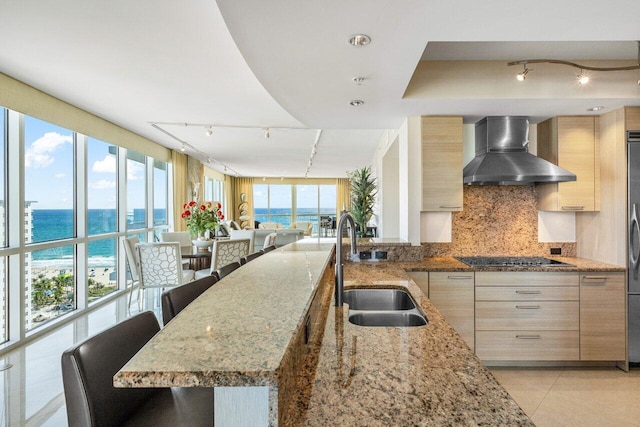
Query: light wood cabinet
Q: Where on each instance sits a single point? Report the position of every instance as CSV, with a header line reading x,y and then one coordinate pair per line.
x,y
441,163
421,278
453,294
602,316
571,142
527,316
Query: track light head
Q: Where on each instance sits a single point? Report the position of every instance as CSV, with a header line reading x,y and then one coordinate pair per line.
x,y
523,75
267,134
583,79
209,131
183,148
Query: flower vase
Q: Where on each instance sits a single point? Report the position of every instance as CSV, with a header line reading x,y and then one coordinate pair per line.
x,y
202,243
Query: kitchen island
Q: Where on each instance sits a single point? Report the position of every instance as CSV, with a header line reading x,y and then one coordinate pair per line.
x,y
252,332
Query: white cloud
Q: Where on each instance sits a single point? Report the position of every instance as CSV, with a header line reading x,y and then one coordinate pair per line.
x,y
135,171
60,175
103,184
108,165
38,155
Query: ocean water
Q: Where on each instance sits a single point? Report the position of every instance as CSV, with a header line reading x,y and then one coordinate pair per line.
x,y
283,215
56,224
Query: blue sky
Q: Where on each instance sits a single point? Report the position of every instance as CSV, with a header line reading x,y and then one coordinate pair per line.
x,y
49,163
307,196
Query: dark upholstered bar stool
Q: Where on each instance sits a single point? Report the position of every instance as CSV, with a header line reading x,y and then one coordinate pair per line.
x,y
174,300
221,272
92,400
250,257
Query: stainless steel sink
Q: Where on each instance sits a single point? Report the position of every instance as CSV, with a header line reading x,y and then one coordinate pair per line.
x,y
383,307
387,318
378,299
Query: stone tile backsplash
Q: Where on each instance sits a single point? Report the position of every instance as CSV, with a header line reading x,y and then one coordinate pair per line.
x,y
497,221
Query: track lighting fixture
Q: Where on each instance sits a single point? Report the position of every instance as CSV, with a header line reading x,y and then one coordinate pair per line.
x,y
183,148
209,131
266,133
583,77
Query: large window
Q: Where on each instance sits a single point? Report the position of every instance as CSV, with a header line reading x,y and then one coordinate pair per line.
x,y
48,180
160,189
294,203
63,244
136,191
102,194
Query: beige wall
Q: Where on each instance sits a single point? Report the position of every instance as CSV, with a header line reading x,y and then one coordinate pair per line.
x,y
25,99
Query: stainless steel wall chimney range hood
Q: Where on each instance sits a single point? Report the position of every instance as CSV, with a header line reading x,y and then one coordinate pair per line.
x,y
503,158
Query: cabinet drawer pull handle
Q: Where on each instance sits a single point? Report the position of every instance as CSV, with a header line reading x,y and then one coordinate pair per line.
x,y
459,277
528,292
528,307
598,278
528,337
573,208
450,206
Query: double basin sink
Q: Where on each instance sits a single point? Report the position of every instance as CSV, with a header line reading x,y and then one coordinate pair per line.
x,y
383,307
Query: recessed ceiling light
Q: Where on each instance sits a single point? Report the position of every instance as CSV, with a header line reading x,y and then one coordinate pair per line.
x,y
358,80
356,102
359,40
598,108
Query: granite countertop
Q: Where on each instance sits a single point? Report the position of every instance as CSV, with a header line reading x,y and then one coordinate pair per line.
x,y
237,332
379,376
452,264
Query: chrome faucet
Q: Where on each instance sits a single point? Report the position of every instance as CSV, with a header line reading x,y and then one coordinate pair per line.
x,y
339,285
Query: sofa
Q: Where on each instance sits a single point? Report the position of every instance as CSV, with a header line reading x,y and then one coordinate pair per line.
x,y
270,226
284,237
306,227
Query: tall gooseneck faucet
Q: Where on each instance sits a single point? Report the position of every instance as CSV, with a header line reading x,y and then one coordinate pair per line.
x,y
339,286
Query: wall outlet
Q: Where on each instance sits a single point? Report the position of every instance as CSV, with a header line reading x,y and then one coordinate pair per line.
x,y
365,255
381,254
556,251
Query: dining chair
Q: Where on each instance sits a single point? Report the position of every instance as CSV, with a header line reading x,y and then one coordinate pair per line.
x,y
182,237
225,252
245,234
270,240
161,266
227,269
92,401
133,265
176,299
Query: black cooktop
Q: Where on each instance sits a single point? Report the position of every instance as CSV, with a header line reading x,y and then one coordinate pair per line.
x,y
508,261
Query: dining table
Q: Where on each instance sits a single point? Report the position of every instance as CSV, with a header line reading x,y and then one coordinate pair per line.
x,y
198,260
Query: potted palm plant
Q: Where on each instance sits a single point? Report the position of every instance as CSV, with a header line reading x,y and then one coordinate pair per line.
x,y
363,193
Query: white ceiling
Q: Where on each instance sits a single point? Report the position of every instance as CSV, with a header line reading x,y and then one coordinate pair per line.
x,y
286,65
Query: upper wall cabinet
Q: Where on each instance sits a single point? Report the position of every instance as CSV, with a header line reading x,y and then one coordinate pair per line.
x,y
571,143
441,163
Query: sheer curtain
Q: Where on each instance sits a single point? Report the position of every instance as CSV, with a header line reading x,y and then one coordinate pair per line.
x,y
180,192
237,187
343,195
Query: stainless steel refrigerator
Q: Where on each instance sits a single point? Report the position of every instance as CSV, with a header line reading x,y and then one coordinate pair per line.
x,y
633,204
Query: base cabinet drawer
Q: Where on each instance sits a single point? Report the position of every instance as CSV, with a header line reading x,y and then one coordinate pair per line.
x,y
528,345
527,315
532,293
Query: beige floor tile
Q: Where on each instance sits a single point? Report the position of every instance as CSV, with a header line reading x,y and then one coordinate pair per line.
x,y
578,408
528,387
575,396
